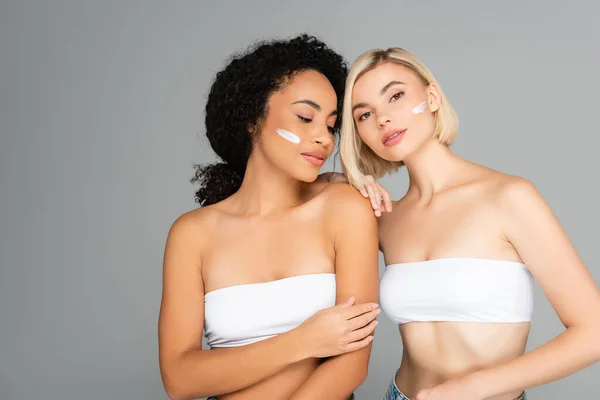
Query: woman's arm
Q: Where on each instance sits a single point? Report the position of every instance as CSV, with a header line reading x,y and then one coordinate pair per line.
x,y
190,372
357,274
536,234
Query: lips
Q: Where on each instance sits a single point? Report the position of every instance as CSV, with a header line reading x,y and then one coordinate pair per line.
x,y
315,157
392,135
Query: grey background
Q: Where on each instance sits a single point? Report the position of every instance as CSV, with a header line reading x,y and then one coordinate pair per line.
x,y
101,119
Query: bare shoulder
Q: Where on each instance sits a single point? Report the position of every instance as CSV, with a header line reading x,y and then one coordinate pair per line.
x,y
193,227
509,190
342,198
499,185
511,196
347,211
339,201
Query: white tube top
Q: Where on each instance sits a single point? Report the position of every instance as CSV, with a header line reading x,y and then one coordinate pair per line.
x,y
244,314
457,289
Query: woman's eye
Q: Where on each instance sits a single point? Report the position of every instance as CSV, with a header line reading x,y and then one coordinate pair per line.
x,y
331,129
304,119
364,116
397,96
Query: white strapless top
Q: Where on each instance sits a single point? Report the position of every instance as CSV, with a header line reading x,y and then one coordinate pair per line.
x,y
244,314
457,289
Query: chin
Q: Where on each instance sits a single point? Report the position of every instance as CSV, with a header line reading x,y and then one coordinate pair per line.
x,y
393,155
306,176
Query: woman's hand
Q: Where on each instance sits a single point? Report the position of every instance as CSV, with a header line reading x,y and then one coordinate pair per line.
x,y
454,389
379,196
339,329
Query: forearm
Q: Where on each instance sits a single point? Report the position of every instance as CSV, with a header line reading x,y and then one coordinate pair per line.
x,y
354,230
201,373
571,351
336,378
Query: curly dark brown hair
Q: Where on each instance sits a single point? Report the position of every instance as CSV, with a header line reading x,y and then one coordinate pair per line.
x,y
238,99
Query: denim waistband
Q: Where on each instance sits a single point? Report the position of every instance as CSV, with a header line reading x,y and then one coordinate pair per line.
x,y
393,393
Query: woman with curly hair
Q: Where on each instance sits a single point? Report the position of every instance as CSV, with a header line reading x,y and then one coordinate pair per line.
x,y
262,264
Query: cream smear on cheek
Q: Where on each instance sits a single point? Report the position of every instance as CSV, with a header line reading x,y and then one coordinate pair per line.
x,y
419,108
289,136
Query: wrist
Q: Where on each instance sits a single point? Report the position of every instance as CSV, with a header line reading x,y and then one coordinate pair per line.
x,y
299,348
475,382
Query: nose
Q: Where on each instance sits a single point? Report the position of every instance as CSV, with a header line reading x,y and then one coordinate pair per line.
x,y
322,137
383,120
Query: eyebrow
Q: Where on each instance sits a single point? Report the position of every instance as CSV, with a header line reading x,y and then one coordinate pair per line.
x,y
314,105
389,85
381,92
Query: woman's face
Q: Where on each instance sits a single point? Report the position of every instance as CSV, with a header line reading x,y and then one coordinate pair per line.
x,y
393,111
297,133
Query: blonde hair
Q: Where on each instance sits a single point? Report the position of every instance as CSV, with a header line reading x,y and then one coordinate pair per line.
x,y
357,158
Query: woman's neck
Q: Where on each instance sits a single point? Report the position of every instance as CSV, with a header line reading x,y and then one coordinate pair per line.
x,y
433,168
266,189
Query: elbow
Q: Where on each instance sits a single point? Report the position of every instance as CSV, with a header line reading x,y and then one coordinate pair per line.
x,y
183,378
361,369
177,396
173,395
353,378
364,366
179,391
173,392
588,337
362,374
359,374
177,388
591,338
180,396
595,341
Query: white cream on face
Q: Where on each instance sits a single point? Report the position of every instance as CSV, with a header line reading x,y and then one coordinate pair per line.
x,y
289,136
419,108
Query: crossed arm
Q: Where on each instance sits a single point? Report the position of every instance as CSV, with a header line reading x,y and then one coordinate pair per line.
x,y
188,371
356,245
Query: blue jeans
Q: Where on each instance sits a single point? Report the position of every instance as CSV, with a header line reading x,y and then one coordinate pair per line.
x,y
393,393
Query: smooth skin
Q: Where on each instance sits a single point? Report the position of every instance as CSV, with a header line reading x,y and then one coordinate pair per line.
x,y
456,208
280,224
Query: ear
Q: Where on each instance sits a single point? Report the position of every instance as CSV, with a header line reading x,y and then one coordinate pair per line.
x,y
255,128
434,97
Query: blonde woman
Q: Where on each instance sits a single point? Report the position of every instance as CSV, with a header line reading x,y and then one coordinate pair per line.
x,y
462,247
